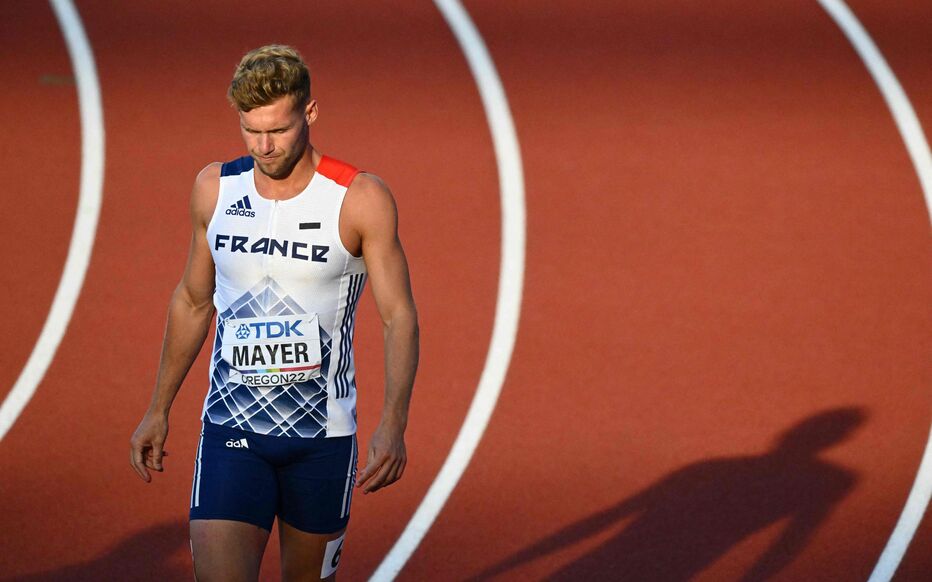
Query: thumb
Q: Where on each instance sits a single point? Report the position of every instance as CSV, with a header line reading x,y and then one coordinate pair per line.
x,y
157,456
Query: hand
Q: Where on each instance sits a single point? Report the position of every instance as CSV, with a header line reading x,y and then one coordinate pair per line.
x,y
387,459
146,445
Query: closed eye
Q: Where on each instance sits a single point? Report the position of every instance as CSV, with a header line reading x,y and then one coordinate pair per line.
x,y
256,131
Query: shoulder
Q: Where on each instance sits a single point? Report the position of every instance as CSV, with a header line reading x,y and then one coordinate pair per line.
x,y
369,202
370,191
368,184
205,192
210,175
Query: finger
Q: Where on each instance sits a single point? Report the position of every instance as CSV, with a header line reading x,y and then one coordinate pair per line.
x,y
378,479
135,459
150,454
397,469
371,468
369,472
366,474
390,474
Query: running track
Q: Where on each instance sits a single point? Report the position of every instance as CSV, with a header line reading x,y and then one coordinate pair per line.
x,y
725,237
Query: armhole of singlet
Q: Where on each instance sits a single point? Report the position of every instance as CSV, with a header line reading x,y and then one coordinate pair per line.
x,y
220,191
339,210
213,215
343,175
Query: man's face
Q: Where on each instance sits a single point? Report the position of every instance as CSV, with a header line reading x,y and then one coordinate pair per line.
x,y
276,135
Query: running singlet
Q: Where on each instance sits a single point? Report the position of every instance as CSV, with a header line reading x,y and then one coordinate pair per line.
x,y
286,295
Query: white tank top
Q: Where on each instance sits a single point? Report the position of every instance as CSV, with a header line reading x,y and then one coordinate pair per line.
x,y
286,295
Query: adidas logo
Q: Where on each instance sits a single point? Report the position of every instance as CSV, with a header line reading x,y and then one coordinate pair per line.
x,y
237,444
241,208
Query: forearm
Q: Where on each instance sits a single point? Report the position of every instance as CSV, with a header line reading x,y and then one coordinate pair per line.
x,y
401,358
185,331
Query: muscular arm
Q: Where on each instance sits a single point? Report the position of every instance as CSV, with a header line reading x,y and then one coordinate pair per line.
x,y
189,314
371,209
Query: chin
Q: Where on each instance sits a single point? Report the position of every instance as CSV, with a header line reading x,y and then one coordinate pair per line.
x,y
276,171
281,169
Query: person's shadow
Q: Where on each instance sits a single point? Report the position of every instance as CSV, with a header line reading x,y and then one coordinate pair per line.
x,y
147,555
688,519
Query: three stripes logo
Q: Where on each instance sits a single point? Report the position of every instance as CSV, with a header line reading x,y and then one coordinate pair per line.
x,y
242,208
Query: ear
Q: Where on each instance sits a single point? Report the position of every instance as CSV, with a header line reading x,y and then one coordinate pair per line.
x,y
310,112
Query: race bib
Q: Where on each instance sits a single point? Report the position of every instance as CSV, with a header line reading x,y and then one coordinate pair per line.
x,y
272,351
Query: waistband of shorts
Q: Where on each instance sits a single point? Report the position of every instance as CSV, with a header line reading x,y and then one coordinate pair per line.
x,y
232,432
228,431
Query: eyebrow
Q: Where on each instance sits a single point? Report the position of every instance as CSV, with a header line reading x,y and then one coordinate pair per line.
x,y
274,129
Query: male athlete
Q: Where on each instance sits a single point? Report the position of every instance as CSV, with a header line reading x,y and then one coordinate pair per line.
x,y
284,240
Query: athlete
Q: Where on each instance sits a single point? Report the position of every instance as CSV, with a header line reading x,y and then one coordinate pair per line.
x,y
284,241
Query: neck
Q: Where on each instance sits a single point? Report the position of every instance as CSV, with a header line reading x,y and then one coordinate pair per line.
x,y
292,184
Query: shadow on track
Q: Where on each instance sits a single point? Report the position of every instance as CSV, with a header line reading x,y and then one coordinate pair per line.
x,y
151,554
687,520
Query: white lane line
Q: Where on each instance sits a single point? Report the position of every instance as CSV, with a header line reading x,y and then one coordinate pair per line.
x,y
510,284
918,148
85,224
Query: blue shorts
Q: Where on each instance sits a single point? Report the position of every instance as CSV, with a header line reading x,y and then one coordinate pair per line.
x,y
244,476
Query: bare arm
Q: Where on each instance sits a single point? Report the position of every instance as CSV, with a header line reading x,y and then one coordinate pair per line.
x,y
189,314
371,209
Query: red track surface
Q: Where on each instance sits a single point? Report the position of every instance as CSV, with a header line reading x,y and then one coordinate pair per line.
x,y
725,237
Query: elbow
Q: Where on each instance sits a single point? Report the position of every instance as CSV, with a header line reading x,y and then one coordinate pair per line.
x,y
415,327
202,305
403,320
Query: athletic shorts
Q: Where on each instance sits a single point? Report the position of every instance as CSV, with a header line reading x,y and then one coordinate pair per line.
x,y
244,476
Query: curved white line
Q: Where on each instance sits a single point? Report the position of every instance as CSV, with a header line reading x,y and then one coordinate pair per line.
x,y
510,284
918,148
85,224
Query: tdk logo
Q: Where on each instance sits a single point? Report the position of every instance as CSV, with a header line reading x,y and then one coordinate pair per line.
x,y
237,444
270,329
241,208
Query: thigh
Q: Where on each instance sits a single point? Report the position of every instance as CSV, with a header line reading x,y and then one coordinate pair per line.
x,y
316,487
309,556
232,480
315,494
234,495
227,550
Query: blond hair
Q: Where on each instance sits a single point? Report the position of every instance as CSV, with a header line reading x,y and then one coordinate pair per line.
x,y
269,73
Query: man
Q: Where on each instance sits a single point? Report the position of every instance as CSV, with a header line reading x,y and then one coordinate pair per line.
x,y
284,240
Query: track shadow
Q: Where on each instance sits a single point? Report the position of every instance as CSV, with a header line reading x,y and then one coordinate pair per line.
x,y
147,555
683,523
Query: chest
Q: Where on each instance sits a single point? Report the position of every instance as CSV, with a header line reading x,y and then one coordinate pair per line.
x,y
297,239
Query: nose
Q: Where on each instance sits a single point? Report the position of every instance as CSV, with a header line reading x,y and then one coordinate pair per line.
x,y
265,145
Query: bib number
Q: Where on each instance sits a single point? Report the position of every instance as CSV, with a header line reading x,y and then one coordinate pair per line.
x,y
331,557
272,351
